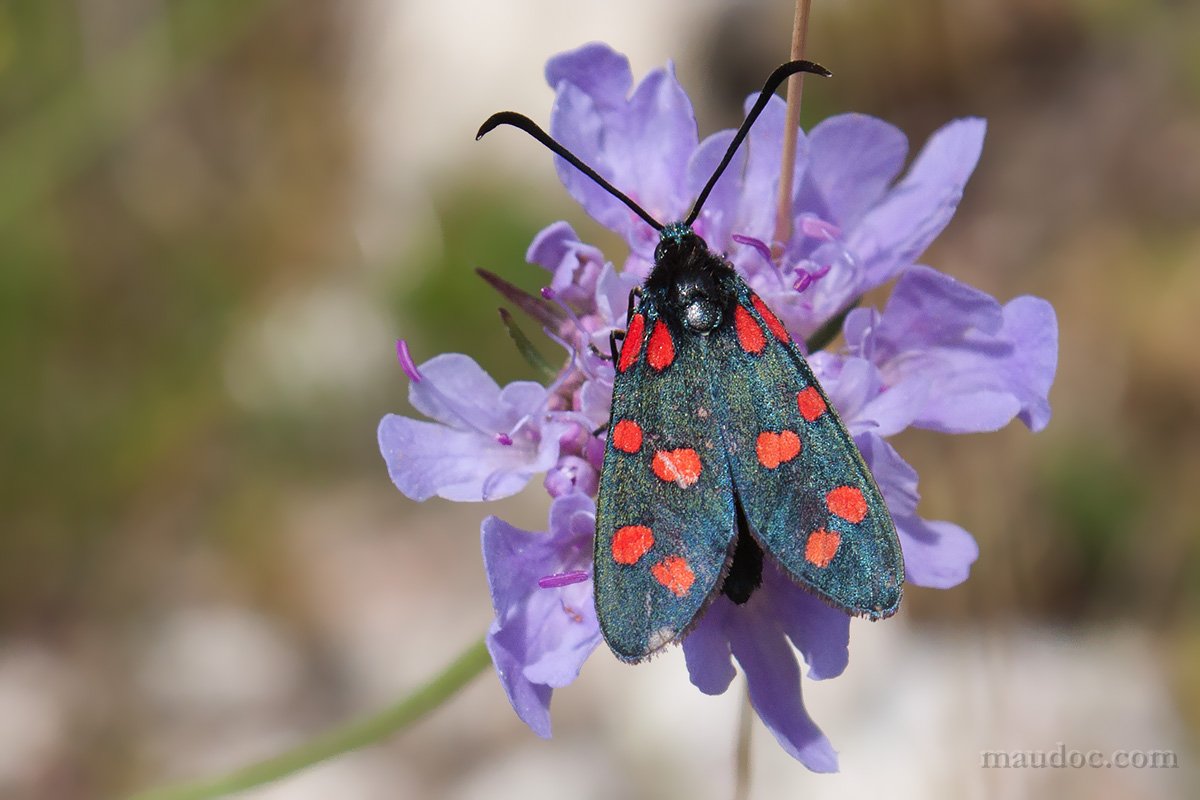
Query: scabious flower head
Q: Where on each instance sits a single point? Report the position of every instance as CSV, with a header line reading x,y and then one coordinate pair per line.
x,y
939,355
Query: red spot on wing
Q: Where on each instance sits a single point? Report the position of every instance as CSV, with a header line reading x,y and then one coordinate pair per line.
x,y
627,436
773,323
848,503
821,547
749,332
774,449
631,543
661,350
674,573
811,404
632,345
677,466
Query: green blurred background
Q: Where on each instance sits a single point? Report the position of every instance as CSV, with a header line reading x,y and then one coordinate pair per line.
x,y
216,217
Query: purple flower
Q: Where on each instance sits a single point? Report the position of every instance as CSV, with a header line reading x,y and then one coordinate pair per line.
x,y
853,226
541,636
977,363
939,355
487,441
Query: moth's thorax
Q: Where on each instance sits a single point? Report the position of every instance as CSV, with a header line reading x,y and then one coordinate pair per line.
x,y
690,280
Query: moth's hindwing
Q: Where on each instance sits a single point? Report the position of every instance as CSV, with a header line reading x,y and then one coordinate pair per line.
x,y
809,498
665,513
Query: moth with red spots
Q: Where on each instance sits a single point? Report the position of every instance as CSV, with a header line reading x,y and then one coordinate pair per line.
x,y
722,449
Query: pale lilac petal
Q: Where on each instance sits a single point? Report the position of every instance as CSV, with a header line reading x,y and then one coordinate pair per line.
x,y
530,700
594,399
926,308
612,298
937,554
641,145
706,649
575,266
865,403
893,234
492,440
760,180
455,389
426,459
577,123
821,633
662,136
571,474
570,612
1030,323
896,479
720,212
773,678
540,637
968,407
852,160
597,70
981,364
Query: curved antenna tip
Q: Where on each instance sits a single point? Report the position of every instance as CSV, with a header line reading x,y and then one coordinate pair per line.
x,y
817,69
495,121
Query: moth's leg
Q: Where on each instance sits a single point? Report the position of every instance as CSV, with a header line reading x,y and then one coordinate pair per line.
x,y
634,294
612,342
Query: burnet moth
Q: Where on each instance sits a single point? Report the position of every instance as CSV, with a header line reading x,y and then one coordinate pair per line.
x,y
722,447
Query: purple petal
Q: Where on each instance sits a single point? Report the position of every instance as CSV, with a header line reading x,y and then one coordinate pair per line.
x,y
896,479
720,212
927,308
760,180
571,474
540,637
980,364
894,233
426,459
567,614
773,677
597,70
575,265
936,554
706,649
661,127
612,296
456,391
530,700
551,245
865,403
492,440
1030,323
819,632
853,158
641,145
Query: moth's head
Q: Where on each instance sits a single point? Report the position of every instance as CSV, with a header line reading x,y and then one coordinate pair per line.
x,y
677,240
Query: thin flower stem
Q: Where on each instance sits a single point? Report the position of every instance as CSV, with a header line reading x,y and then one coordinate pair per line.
x,y
741,786
359,733
783,213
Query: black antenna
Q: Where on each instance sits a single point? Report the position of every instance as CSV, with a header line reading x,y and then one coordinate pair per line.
x,y
529,126
777,77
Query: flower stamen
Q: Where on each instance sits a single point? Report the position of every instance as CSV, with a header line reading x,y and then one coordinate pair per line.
x,y
559,579
406,362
